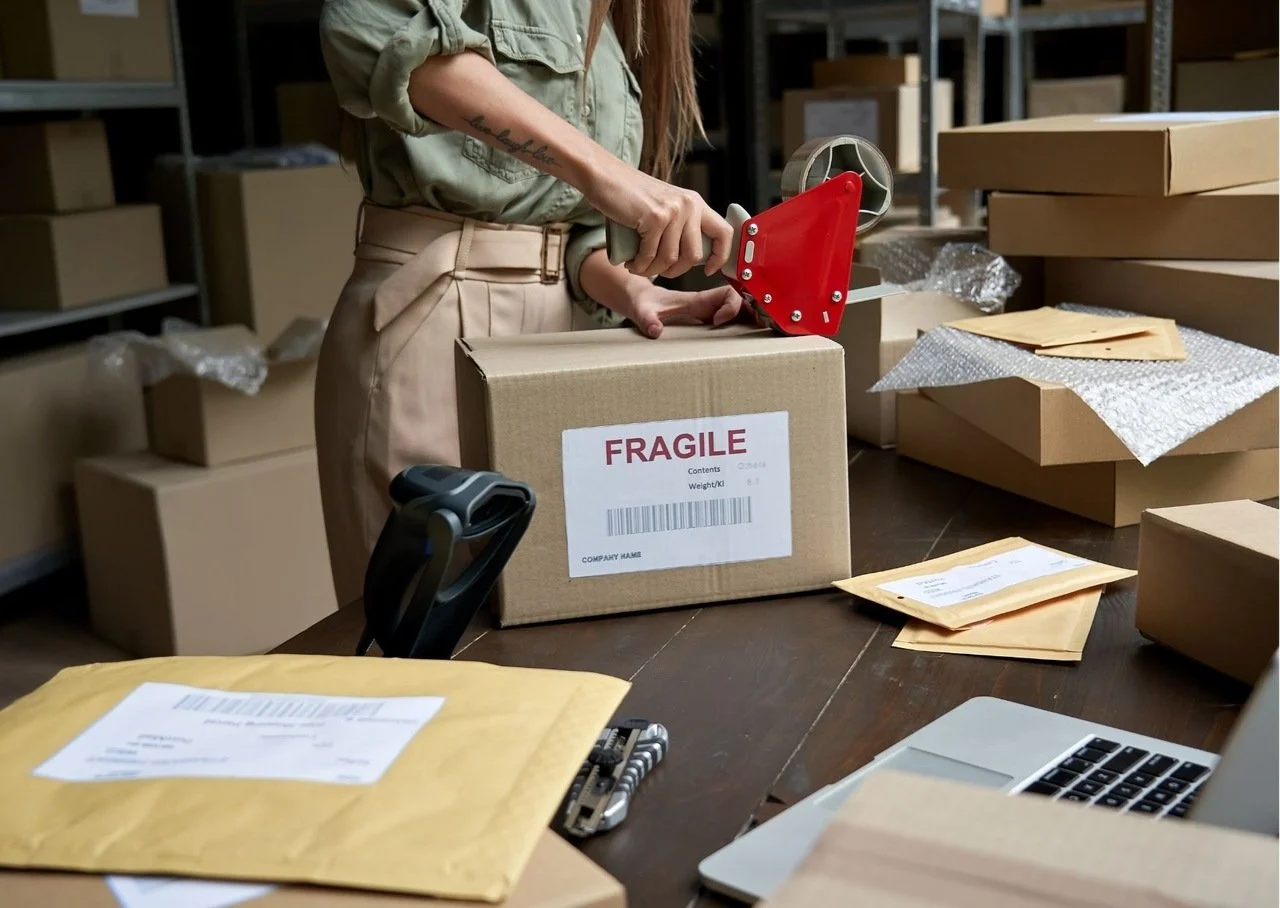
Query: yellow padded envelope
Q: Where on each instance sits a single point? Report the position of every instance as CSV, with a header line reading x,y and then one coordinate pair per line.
x,y
456,814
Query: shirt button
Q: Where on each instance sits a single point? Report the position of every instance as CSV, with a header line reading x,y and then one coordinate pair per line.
x,y
579,37
586,110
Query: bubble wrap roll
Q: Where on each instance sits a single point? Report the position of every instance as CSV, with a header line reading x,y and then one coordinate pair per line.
x,y
1152,407
968,272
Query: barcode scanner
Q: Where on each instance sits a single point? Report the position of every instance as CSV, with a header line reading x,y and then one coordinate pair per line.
x,y
408,609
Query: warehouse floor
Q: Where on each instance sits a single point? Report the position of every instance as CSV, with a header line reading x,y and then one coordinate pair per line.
x,y
44,629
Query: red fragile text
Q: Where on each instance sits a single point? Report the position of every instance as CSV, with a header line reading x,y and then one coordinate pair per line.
x,y
684,446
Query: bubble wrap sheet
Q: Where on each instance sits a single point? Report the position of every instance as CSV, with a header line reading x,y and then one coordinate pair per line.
x,y
180,348
1152,407
969,272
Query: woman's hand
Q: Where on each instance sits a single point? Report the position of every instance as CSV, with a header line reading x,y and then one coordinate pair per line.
x,y
649,306
671,221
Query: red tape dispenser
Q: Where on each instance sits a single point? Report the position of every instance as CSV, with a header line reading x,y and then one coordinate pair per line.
x,y
792,262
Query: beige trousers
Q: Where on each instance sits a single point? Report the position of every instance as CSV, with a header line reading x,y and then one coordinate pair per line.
x,y
385,387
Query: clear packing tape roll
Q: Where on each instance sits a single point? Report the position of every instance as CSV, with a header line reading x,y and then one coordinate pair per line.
x,y
231,357
1152,407
969,272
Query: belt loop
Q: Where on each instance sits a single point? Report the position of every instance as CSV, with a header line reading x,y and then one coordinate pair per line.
x,y
464,247
552,249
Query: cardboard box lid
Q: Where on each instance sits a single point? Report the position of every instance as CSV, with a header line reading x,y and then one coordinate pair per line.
x,y
160,476
907,841
1246,524
1115,154
500,358
557,876
1262,271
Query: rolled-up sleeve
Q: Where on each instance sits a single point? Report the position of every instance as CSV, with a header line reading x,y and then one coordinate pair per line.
x,y
372,46
585,239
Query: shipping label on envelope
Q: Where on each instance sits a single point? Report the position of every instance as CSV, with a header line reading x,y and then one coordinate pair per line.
x,y
958,590
1055,630
423,777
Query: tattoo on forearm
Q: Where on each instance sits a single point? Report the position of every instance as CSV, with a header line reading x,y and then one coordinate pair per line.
x,y
527,148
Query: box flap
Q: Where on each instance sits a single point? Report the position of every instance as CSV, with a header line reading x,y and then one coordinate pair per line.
x,y
1134,123
1266,271
585,351
1247,524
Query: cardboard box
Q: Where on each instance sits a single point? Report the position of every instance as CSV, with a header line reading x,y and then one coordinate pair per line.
x,y
1251,84
1062,97
887,116
1237,224
55,412
56,166
1236,300
61,261
204,422
128,40
1125,155
277,243
188,561
1049,423
1113,493
1202,32
558,876
668,472
1207,581
309,112
867,70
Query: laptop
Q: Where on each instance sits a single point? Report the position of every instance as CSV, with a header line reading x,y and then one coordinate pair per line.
x,y
1032,752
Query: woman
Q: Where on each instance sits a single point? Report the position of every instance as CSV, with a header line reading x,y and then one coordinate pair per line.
x,y
493,138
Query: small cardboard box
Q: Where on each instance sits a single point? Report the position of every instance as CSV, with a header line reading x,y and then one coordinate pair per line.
x,y
1237,224
189,561
277,243
1250,84
309,112
887,116
1126,154
557,876
1236,300
61,261
1049,424
204,422
55,414
867,70
704,466
87,40
1207,581
1112,493
55,166
1064,97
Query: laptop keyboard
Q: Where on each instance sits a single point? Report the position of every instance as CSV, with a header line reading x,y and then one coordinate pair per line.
x,y
1106,774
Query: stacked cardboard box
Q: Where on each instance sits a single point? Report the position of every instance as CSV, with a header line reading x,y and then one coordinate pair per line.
x,y
1093,195
212,542
87,41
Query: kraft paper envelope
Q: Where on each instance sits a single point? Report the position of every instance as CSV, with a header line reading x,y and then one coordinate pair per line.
x,y
958,590
558,876
1055,630
1050,327
293,771
911,841
1160,341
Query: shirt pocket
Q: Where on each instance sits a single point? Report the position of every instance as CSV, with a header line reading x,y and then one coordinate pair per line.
x,y
544,66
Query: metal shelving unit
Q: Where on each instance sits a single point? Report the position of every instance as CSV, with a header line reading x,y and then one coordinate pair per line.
x,y
20,96
927,22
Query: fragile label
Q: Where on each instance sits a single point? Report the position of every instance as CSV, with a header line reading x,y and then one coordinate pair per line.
x,y
123,9
677,493
973,581
167,731
176,892
842,117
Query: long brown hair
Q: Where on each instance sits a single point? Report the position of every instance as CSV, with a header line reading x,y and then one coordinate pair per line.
x,y
655,36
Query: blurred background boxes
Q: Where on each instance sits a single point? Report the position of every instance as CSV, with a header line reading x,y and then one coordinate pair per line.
x,y
309,112
1087,95
55,166
1249,83
87,40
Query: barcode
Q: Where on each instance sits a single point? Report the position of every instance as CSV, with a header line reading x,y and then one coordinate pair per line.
x,y
277,707
680,515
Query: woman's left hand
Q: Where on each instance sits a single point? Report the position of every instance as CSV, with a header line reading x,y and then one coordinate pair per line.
x,y
651,307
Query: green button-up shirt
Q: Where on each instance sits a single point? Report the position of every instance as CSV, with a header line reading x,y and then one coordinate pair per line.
x,y
370,48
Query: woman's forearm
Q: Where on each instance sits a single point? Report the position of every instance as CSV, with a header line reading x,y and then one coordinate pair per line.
x,y
467,93
612,286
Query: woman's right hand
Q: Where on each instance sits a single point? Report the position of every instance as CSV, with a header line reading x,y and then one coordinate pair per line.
x,y
671,221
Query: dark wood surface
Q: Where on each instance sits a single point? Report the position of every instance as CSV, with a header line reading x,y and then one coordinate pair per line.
x,y
768,700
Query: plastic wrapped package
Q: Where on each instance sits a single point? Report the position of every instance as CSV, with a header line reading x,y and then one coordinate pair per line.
x,y
969,272
309,155
1152,407
230,357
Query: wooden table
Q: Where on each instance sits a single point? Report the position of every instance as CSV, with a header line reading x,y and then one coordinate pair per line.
x,y
768,700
